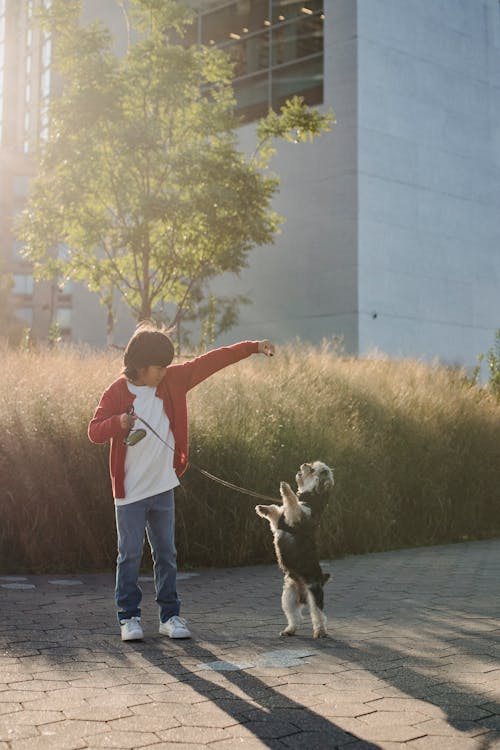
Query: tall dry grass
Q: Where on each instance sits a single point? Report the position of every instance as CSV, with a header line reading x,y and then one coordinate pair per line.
x,y
416,452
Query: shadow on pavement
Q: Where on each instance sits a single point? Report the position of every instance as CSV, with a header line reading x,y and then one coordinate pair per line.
x,y
274,719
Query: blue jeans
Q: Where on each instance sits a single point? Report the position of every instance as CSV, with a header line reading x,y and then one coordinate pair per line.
x,y
156,516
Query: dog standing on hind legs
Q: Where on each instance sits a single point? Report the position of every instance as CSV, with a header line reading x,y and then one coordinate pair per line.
x,y
294,527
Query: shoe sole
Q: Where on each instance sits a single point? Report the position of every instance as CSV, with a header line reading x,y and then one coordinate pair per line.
x,y
133,638
176,637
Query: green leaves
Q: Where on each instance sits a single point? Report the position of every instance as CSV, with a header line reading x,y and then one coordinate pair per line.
x,y
141,177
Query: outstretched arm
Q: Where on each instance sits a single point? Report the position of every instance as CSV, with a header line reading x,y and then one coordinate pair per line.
x,y
196,370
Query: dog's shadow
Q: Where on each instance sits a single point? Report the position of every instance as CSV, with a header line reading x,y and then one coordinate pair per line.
x,y
274,719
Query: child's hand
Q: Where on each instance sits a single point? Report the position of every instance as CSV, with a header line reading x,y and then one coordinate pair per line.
x,y
127,421
265,347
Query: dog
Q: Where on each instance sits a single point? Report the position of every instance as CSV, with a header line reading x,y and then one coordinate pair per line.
x,y
294,527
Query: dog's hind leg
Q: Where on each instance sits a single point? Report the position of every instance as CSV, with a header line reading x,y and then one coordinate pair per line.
x,y
318,617
292,601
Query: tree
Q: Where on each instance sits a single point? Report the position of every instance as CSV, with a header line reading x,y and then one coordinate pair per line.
x,y
141,181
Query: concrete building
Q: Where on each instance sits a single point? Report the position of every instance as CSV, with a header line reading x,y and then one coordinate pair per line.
x,y
391,237
392,233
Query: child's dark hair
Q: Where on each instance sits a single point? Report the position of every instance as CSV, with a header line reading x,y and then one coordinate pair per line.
x,y
148,346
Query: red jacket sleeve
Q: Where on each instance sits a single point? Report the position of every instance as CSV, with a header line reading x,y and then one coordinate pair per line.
x,y
194,371
105,424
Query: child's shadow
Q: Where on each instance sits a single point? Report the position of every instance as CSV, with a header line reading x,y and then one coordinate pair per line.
x,y
276,721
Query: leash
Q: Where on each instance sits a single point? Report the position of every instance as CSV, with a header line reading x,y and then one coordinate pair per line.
x,y
204,472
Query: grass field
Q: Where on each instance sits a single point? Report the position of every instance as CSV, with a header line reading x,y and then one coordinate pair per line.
x,y
416,452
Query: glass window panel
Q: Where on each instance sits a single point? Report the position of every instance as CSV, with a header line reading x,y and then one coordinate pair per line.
x,y
250,55
303,78
285,10
26,121
46,52
28,64
63,317
2,28
66,286
23,283
241,17
297,39
27,93
252,96
29,37
46,83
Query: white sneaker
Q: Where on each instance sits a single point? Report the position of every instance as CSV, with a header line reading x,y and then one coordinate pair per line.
x,y
176,627
131,629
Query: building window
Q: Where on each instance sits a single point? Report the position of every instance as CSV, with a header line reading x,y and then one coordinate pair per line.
x,y
45,83
63,317
276,47
23,284
46,51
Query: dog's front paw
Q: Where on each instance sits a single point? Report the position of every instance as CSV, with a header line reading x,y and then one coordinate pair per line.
x,y
320,633
289,630
285,489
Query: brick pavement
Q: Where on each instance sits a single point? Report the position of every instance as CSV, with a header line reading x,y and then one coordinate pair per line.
x,y
412,660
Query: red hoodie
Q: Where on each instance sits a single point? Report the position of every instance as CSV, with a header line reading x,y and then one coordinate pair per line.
x,y
178,380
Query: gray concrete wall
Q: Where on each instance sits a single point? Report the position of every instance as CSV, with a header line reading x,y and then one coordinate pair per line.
x,y
306,284
429,176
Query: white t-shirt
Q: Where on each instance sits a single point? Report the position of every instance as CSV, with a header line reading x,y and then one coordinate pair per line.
x,y
149,465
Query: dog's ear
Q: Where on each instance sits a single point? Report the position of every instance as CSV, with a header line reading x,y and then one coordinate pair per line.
x,y
325,480
262,510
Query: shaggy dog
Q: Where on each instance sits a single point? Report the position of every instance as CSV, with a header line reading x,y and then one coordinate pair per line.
x,y
294,527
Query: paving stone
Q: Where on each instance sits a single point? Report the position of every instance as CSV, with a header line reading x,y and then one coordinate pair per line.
x,y
193,734
9,707
48,743
491,722
143,723
454,728
238,743
97,713
448,743
414,639
395,718
121,740
72,729
319,740
392,733
405,704
10,731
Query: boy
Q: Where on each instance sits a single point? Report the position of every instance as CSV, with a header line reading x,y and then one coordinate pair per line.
x,y
145,472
